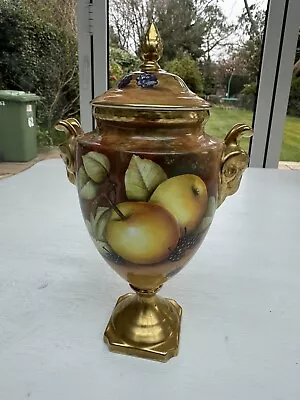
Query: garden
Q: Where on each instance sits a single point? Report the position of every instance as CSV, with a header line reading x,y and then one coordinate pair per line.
x,y
222,119
218,58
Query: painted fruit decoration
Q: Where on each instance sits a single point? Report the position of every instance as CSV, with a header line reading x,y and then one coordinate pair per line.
x,y
185,197
145,233
137,215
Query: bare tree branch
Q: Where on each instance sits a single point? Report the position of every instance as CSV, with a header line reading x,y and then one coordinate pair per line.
x,y
254,28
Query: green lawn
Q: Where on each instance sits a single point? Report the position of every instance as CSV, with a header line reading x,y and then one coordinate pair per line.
x,y
222,120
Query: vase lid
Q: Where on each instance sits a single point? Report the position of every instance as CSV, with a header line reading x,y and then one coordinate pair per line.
x,y
151,87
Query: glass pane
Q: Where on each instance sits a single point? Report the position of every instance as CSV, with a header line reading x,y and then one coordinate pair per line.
x,y
290,150
38,54
215,46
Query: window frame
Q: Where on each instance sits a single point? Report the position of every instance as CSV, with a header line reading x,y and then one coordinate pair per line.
x,y
275,81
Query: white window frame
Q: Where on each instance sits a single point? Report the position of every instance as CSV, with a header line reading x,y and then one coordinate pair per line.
x,y
92,22
281,94
282,25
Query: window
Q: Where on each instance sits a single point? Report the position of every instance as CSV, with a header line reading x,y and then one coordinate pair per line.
x,y
269,80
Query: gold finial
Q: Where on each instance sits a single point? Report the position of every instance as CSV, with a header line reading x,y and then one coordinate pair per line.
x,y
151,49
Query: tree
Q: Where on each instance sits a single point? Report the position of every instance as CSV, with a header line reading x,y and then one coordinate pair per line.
x,y
297,59
294,98
215,28
129,20
60,13
246,58
192,26
180,29
254,30
254,20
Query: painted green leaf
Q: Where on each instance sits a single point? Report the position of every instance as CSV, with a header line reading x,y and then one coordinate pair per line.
x,y
82,177
142,178
103,248
89,227
100,221
88,191
96,165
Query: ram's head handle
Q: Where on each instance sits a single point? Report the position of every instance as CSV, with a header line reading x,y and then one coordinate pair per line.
x,y
234,161
67,149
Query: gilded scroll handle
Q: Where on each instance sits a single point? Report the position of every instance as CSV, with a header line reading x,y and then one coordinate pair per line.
x,y
234,161
73,130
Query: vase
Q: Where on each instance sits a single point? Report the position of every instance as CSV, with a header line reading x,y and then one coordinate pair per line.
x,y
149,181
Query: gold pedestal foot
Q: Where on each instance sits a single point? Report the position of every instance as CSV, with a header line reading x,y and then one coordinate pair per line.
x,y
144,325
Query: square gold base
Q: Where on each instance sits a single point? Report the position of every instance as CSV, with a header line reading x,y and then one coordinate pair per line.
x,y
127,331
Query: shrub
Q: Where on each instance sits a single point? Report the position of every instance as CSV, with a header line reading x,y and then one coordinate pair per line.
x,y
187,68
294,100
43,138
246,101
249,89
115,73
213,99
38,56
127,61
120,62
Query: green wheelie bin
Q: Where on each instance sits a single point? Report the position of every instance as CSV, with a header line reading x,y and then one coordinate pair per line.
x,y
17,126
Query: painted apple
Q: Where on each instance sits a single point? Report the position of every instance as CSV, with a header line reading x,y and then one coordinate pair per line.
x,y
141,232
185,197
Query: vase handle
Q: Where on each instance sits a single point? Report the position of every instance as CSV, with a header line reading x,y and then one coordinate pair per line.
x,y
73,130
234,161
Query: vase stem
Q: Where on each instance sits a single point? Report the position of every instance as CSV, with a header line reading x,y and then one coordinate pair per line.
x,y
145,292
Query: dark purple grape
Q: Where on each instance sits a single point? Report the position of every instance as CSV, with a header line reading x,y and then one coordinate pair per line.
x,y
185,243
146,80
124,81
116,259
